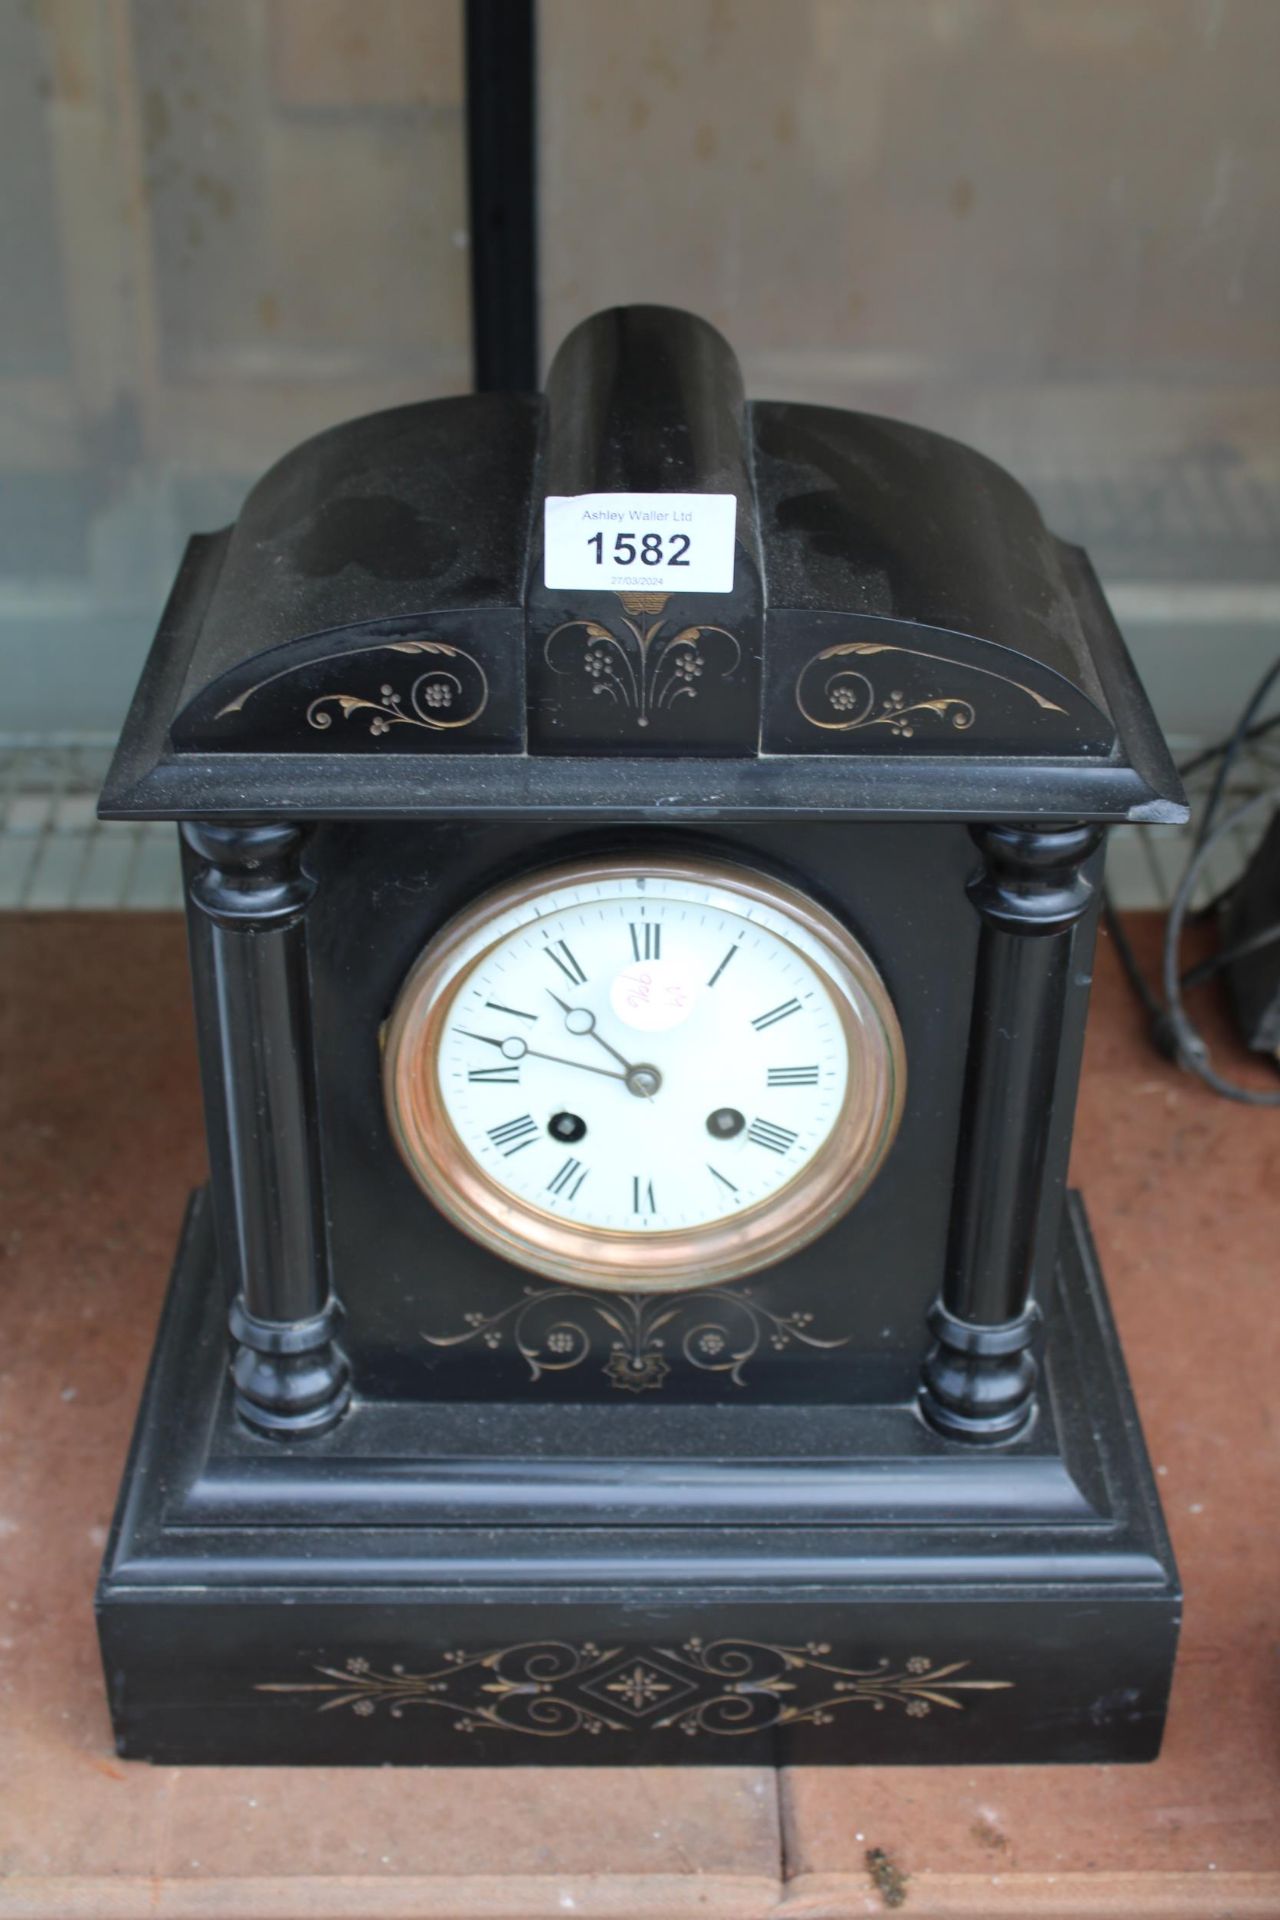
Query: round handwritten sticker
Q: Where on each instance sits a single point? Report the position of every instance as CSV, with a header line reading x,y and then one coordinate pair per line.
x,y
653,995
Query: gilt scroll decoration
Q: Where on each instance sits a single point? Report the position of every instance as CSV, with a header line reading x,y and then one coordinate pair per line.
x,y
715,1329
452,692
841,698
550,1689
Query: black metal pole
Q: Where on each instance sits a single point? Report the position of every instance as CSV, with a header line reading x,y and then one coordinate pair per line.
x,y
501,84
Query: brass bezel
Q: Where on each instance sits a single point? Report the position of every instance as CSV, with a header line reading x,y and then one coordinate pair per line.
x,y
671,1260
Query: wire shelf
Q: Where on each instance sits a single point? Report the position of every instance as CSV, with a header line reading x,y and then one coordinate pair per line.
x,y
56,855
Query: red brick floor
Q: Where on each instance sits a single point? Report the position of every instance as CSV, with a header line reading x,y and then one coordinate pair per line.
x,y
99,1143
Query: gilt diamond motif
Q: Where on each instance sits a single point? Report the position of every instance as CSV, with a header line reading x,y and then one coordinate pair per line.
x,y
639,1688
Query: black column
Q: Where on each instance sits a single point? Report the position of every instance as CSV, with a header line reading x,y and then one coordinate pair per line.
x,y
980,1375
249,961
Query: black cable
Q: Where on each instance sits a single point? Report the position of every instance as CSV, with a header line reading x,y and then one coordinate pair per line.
x,y
1172,1031
1192,1050
1163,1037
1227,753
1232,749
1206,754
1227,956
1127,957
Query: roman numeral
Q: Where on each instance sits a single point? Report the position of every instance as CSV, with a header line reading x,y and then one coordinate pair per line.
x,y
723,964
642,1200
513,1011
569,1179
793,1076
568,965
496,1076
763,1133
646,940
514,1135
771,1019
717,1175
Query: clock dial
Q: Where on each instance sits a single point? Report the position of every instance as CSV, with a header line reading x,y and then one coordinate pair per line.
x,y
641,1074
643,1057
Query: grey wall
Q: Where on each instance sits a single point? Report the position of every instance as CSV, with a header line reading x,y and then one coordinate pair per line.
x,y
1046,226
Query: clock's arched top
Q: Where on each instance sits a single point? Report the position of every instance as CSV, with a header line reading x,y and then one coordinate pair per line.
x,y
896,604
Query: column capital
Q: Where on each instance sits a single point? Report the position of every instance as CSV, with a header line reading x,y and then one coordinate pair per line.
x,y
1032,879
252,878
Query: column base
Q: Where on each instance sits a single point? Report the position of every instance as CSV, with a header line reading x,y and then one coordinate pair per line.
x,y
291,1378
979,1382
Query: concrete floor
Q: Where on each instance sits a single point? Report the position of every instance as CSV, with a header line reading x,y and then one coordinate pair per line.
x,y
99,1142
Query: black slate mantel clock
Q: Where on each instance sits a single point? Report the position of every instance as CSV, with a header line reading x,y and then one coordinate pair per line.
x,y
636,1313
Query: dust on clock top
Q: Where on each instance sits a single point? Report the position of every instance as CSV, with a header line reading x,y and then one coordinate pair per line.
x,y
864,596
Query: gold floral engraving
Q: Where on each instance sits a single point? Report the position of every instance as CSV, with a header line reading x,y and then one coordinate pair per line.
x,y
843,699
716,1329
440,698
550,1689
638,667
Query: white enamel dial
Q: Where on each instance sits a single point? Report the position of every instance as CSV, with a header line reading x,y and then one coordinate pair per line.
x,y
644,1074
642,1057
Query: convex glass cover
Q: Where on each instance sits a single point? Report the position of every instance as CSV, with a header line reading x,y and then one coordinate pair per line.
x,y
644,1073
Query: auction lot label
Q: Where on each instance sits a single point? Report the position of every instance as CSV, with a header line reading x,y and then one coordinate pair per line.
x,y
638,542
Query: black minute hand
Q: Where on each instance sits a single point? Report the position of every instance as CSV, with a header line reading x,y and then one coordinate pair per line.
x,y
515,1049
581,1020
